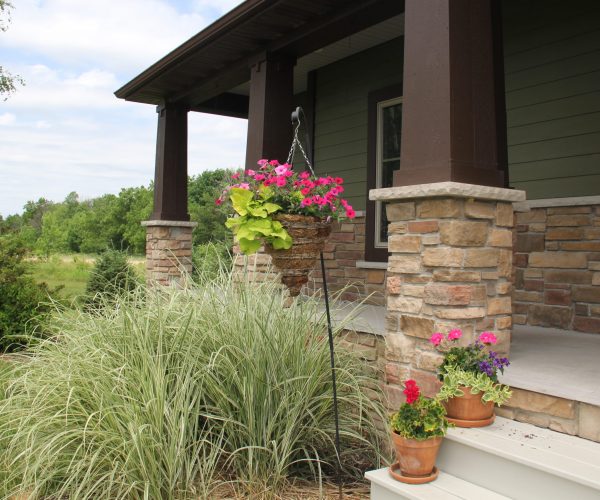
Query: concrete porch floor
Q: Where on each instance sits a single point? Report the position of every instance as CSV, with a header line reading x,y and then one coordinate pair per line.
x,y
556,362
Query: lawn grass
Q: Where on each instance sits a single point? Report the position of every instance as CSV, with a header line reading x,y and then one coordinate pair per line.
x,y
71,272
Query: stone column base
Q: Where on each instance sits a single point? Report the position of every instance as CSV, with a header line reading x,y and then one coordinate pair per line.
x,y
168,251
450,266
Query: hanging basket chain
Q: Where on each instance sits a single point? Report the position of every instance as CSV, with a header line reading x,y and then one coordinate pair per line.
x,y
296,142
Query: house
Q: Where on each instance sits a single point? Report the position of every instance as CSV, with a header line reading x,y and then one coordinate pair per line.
x,y
468,132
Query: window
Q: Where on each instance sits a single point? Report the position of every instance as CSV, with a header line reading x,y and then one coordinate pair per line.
x,y
385,123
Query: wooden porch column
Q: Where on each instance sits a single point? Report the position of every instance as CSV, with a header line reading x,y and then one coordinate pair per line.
x,y
169,230
453,121
170,175
270,107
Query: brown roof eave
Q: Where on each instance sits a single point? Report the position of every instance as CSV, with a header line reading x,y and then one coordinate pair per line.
x,y
229,21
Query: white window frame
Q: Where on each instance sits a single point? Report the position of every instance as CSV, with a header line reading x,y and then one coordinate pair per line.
x,y
379,166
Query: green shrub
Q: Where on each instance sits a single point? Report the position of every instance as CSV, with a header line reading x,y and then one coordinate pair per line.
x,y
173,392
23,302
210,260
111,277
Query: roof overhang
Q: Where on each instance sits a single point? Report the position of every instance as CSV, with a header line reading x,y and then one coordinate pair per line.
x,y
202,72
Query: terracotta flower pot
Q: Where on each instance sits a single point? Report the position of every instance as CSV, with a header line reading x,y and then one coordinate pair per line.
x,y
469,410
309,235
416,458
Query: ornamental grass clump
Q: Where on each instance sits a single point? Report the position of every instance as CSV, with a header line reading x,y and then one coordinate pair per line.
x,y
258,195
475,366
171,394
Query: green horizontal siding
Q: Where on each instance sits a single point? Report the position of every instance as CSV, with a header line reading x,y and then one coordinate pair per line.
x,y
552,77
341,108
552,80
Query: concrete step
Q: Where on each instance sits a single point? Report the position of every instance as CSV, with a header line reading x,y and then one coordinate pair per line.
x,y
505,460
445,487
522,461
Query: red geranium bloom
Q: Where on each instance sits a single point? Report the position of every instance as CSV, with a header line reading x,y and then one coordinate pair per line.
x,y
411,391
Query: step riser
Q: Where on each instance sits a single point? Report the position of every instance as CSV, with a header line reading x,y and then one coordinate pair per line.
x,y
513,479
381,493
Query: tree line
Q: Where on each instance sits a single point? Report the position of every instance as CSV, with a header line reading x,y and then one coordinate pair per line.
x,y
113,221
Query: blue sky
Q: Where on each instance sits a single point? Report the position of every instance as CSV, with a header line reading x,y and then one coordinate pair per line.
x,y
65,130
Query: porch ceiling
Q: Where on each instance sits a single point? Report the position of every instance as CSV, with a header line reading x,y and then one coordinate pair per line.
x,y
218,58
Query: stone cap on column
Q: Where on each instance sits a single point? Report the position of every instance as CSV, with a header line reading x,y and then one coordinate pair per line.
x,y
447,190
169,223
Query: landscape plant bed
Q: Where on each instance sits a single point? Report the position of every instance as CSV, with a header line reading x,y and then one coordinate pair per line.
x,y
158,394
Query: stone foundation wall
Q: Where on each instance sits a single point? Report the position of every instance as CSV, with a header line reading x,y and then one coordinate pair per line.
x,y
168,251
557,268
346,247
558,414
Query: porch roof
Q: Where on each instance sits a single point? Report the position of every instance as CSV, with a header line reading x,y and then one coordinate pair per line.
x,y
200,72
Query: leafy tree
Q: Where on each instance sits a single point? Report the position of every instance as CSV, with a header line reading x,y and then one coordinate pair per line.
x,y
23,303
203,190
8,82
135,205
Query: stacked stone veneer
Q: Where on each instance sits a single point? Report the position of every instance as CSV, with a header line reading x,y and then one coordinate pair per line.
x,y
168,251
450,266
557,260
343,250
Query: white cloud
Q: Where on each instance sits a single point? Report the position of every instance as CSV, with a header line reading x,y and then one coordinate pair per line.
x,y
72,133
7,119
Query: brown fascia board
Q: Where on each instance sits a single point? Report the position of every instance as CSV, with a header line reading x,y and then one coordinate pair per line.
x,y
229,21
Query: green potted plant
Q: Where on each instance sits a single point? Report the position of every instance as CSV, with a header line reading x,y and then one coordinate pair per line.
x,y
470,378
287,212
418,428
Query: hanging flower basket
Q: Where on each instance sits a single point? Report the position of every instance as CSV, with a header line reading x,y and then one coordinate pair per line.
x,y
309,234
290,213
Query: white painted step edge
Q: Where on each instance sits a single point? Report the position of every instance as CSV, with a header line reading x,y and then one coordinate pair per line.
x,y
522,452
445,487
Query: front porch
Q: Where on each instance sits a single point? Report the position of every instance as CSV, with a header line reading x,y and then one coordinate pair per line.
x,y
438,109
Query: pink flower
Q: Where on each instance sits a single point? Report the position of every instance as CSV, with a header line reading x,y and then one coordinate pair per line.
x,y
319,200
305,191
250,172
218,201
304,175
454,334
259,177
306,202
244,185
488,338
281,170
262,162
338,180
436,338
236,176
350,213
281,181
289,173
274,163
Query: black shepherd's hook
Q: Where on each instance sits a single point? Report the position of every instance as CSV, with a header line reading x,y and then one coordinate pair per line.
x,y
297,117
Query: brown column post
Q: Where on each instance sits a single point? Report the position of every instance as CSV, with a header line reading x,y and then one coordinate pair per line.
x,y
453,123
270,107
170,177
169,232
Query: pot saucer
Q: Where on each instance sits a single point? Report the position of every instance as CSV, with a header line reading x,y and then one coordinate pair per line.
x,y
471,423
398,476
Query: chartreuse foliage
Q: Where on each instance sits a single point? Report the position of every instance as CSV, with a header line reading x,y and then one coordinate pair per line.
x,y
173,392
423,419
454,378
254,224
